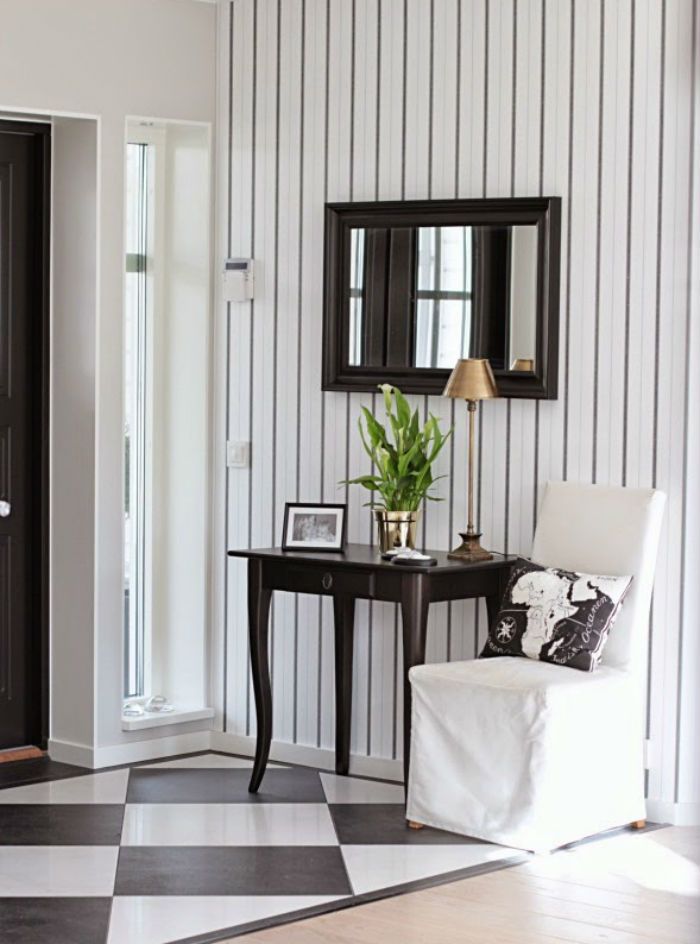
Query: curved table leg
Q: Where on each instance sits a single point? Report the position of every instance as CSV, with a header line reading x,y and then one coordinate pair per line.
x,y
258,627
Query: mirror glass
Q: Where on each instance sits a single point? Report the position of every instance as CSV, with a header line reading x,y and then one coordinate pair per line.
x,y
422,297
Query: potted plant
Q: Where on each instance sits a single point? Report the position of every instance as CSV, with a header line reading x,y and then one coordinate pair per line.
x,y
403,456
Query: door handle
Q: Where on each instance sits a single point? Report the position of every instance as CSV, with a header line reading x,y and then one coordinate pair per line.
x,y
5,509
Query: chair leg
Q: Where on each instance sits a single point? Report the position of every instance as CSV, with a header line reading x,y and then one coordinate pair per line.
x,y
638,824
413,825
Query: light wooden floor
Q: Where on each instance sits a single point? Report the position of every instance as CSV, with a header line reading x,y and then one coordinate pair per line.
x,y
628,889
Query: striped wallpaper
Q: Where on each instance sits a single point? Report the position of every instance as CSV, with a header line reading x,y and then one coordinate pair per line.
x,y
592,100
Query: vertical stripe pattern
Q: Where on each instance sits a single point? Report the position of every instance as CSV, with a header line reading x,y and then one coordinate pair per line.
x,y
382,99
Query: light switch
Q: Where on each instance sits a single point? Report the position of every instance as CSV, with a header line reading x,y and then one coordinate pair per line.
x,y
237,454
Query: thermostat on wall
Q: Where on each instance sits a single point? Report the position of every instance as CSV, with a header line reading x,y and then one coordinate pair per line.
x,y
239,281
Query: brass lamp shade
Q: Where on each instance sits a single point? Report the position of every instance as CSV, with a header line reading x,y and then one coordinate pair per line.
x,y
471,379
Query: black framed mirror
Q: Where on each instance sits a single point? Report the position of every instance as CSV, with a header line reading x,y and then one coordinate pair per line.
x,y
412,286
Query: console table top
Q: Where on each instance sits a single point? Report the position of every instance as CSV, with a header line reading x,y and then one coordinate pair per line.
x,y
367,557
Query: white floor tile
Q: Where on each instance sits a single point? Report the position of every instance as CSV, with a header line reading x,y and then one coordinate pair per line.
x,y
351,790
156,920
228,824
209,760
53,871
372,867
108,787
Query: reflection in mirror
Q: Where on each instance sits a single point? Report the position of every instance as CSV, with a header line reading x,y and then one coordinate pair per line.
x,y
523,299
443,295
357,283
423,297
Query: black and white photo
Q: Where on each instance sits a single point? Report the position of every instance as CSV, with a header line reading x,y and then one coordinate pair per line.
x,y
314,527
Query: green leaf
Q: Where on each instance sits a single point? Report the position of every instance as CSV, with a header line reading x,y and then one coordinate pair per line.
x,y
407,458
402,456
403,410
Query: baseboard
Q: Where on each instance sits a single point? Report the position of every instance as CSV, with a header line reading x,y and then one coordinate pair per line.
x,y
658,811
677,814
323,758
68,752
83,755
95,758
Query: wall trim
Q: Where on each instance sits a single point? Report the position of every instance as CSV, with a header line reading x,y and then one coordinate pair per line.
x,y
676,814
95,758
658,811
68,752
360,764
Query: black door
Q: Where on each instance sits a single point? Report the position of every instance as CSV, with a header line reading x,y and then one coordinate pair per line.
x,y
23,385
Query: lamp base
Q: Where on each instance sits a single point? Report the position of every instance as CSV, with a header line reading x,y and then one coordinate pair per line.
x,y
470,549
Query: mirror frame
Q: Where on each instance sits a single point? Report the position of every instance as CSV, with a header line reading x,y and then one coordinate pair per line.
x,y
341,218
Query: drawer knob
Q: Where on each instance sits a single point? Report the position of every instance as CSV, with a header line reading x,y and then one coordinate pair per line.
x,y
327,581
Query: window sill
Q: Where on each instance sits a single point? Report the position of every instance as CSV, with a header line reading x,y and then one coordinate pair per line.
x,y
179,716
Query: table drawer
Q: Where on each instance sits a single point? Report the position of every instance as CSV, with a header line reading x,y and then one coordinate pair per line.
x,y
324,580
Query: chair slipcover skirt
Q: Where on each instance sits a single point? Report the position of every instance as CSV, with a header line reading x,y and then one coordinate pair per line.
x,y
524,753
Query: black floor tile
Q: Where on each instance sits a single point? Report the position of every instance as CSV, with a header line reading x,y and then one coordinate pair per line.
x,y
180,785
61,824
37,770
54,920
243,870
384,824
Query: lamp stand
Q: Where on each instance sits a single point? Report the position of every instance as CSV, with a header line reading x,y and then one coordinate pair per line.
x,y
470,549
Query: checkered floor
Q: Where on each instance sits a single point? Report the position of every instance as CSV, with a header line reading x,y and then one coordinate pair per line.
x,y
180,850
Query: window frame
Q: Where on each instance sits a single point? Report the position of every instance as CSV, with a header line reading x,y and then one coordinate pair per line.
x,y
340,218
138,608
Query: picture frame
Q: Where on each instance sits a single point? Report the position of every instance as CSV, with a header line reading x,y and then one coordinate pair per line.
x,y
314,526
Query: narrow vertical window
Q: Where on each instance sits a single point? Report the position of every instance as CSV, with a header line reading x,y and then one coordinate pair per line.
x,y
166,421
138,362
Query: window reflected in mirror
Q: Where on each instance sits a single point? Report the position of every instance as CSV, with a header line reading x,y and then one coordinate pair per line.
x,y
357,284
443,298
423,297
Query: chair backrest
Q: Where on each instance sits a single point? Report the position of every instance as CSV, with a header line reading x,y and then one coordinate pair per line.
x,y
609,530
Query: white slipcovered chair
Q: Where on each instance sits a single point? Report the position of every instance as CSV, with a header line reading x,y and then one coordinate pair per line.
x,y
535,755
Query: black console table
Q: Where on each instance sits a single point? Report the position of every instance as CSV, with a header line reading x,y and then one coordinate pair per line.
x,y
357,573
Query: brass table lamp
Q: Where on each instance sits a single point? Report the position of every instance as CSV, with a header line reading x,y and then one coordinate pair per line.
x,y
471,380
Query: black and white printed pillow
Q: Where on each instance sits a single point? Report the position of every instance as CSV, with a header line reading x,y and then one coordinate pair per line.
x,y
555,615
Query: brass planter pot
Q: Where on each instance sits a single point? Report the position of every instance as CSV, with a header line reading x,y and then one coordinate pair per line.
x,y
396,528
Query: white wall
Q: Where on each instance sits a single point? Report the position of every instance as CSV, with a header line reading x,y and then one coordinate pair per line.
x,y
108,59
181,424
344,99
72,483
